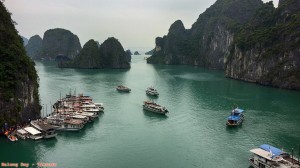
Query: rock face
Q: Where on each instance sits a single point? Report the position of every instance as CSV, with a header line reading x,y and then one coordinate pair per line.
x,y
19,98
59,42
110,54
128,55
136,53
208,41
267,49
34,46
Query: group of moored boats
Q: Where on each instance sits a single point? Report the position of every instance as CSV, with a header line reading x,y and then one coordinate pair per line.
x,y
148,105
70,114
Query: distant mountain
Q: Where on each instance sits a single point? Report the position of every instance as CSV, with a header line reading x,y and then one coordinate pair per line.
x,y
136,53
25,40
59,42
110,54
128,54
19,97
34,47
150,52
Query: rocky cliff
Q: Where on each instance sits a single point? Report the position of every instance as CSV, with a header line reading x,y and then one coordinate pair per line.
x,y
128,54
110,54
267,49
59,42
19,98
208,41
34,46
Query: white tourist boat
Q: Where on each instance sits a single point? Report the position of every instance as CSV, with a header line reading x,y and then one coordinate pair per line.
x,y
267,156
153,107
152,91
122,88
64,124
47,129
83,118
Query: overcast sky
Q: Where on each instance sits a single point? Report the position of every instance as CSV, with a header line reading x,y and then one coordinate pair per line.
x,y
136,23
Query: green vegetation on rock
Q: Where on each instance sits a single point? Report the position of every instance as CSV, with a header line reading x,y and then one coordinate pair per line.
x,y
110,54
34,47
267,49
19,99
206,43
59,42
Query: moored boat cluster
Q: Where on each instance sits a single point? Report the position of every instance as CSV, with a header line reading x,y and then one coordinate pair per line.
x,y
70,114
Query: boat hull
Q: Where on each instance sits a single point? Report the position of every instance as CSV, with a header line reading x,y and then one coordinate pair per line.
x,y
234,123
124,90
252,163
152,94
154,110
50,136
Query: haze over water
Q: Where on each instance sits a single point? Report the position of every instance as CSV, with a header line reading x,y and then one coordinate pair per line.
x,y
192,134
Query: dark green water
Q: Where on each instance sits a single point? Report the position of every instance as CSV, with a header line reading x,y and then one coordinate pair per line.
x,y
193,134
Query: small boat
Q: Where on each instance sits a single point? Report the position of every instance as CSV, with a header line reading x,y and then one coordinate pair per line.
x,y
12,138
236,117
122,88
153,107
152,91
65,124
271,157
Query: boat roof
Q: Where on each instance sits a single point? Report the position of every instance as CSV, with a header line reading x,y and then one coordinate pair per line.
x,y
238,110
32,130
79,116
45,126
275,151
74,122
87,114
265,154
234,117
22,131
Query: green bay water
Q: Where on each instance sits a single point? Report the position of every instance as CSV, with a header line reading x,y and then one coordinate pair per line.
x,y
192,134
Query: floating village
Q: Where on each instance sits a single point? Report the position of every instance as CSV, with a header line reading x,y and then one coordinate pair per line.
x,y
72,113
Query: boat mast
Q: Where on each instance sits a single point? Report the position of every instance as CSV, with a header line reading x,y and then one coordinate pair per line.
x,y
299,155
292,155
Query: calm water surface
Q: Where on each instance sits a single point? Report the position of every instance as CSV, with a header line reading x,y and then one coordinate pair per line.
x,y
193,134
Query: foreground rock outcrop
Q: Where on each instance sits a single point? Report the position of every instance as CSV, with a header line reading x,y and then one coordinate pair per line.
x,y
267,49
110,54
19,98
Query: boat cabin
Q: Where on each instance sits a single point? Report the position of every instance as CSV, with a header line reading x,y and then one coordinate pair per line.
x,y
34,133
